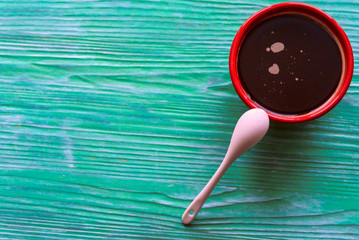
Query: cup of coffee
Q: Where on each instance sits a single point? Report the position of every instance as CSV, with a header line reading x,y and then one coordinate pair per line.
x,y
292,60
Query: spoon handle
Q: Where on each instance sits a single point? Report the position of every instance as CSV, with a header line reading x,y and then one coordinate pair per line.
x,y
196,205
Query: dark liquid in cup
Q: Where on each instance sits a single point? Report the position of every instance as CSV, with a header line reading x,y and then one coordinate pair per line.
x,y
289,64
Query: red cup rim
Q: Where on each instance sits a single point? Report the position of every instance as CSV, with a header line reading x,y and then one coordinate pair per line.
x,y
318,15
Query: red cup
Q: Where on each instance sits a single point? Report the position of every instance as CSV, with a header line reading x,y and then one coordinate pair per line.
x,y
327,22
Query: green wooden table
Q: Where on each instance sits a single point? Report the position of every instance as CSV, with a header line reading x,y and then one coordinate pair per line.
x,y
114,115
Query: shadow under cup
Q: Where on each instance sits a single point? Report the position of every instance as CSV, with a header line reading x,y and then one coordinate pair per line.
x,y
288,75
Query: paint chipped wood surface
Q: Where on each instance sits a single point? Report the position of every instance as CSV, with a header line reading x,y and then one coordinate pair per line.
x,y
114,115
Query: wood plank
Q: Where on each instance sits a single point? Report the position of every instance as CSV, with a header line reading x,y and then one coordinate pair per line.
x,y
114,115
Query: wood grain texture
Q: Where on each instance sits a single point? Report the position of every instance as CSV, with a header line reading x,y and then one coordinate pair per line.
x,y
114,115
